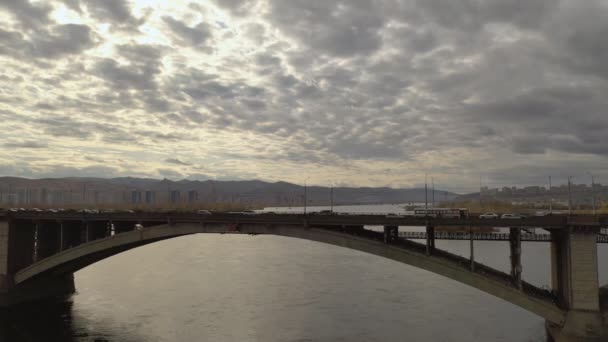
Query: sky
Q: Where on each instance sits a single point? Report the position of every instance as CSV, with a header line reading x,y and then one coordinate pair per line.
x,y
352,92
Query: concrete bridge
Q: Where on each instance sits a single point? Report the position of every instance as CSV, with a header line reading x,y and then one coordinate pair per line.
x,y
39,253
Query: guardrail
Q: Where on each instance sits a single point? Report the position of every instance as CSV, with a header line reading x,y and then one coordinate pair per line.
x,y
487,236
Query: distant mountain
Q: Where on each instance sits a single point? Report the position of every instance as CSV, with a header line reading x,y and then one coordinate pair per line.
x,y
128,190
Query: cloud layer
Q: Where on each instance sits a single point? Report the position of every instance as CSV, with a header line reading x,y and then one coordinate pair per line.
x,y
349,92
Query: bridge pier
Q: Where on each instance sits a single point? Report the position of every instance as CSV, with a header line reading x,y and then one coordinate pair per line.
x,y
430,240
574,277
17,249
391,234
515,245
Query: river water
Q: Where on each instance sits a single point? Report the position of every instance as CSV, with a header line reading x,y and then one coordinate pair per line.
x,y
269,288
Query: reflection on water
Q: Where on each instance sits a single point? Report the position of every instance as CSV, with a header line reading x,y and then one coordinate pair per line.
x,y
267,288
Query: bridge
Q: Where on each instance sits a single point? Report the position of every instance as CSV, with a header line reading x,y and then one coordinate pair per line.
x,y
40,251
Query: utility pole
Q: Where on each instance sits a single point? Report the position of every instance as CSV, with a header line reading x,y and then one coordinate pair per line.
x,y
592,192
480,203
426,196
433,193
550,198
569,196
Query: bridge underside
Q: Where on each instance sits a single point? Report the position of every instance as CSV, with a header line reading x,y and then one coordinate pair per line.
x,y
65,263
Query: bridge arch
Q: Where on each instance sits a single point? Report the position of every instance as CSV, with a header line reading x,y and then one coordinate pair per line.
x,y
74,259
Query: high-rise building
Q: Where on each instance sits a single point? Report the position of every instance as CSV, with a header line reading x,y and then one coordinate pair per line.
x,y
150,197
192,196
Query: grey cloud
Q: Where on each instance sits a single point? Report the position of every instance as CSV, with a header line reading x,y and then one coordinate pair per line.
x,y
116,12
26,144
176,161
141,71
236,7
30,15
341,29
193,36
60,41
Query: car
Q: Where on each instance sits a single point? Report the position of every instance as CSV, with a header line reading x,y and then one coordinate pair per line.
x,y
52,210
488,216
203,212
139,226
248,212
325,212
511,216
393,215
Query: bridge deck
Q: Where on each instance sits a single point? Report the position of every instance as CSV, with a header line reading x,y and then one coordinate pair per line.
x,y
551,221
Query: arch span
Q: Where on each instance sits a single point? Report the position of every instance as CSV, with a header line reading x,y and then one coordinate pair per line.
x,y
76,258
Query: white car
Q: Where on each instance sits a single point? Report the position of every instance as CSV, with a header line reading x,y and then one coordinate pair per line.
x,y
511,216
393,215
203,212
488,216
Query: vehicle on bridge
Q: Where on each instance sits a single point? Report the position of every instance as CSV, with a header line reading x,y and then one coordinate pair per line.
x,y
511,216
488,216
441,212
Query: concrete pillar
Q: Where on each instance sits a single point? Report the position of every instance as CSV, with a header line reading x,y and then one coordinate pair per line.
x,y
391,234
574,268
17,241
430,240
515,246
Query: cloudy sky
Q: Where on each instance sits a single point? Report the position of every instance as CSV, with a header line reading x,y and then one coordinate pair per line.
x,y
352,92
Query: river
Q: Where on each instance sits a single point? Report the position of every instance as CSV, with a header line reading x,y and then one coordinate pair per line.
x,y
269,288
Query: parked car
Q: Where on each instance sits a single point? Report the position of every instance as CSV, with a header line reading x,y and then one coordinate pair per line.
x,y
488,216
325,212
511,216
248,212
203,212
393,215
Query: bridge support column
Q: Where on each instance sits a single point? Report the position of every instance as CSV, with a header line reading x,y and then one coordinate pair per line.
x,y
430,240
574,273
17,241
515,244
391,234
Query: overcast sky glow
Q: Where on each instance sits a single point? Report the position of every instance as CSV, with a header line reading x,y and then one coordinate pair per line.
x,y
354,92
